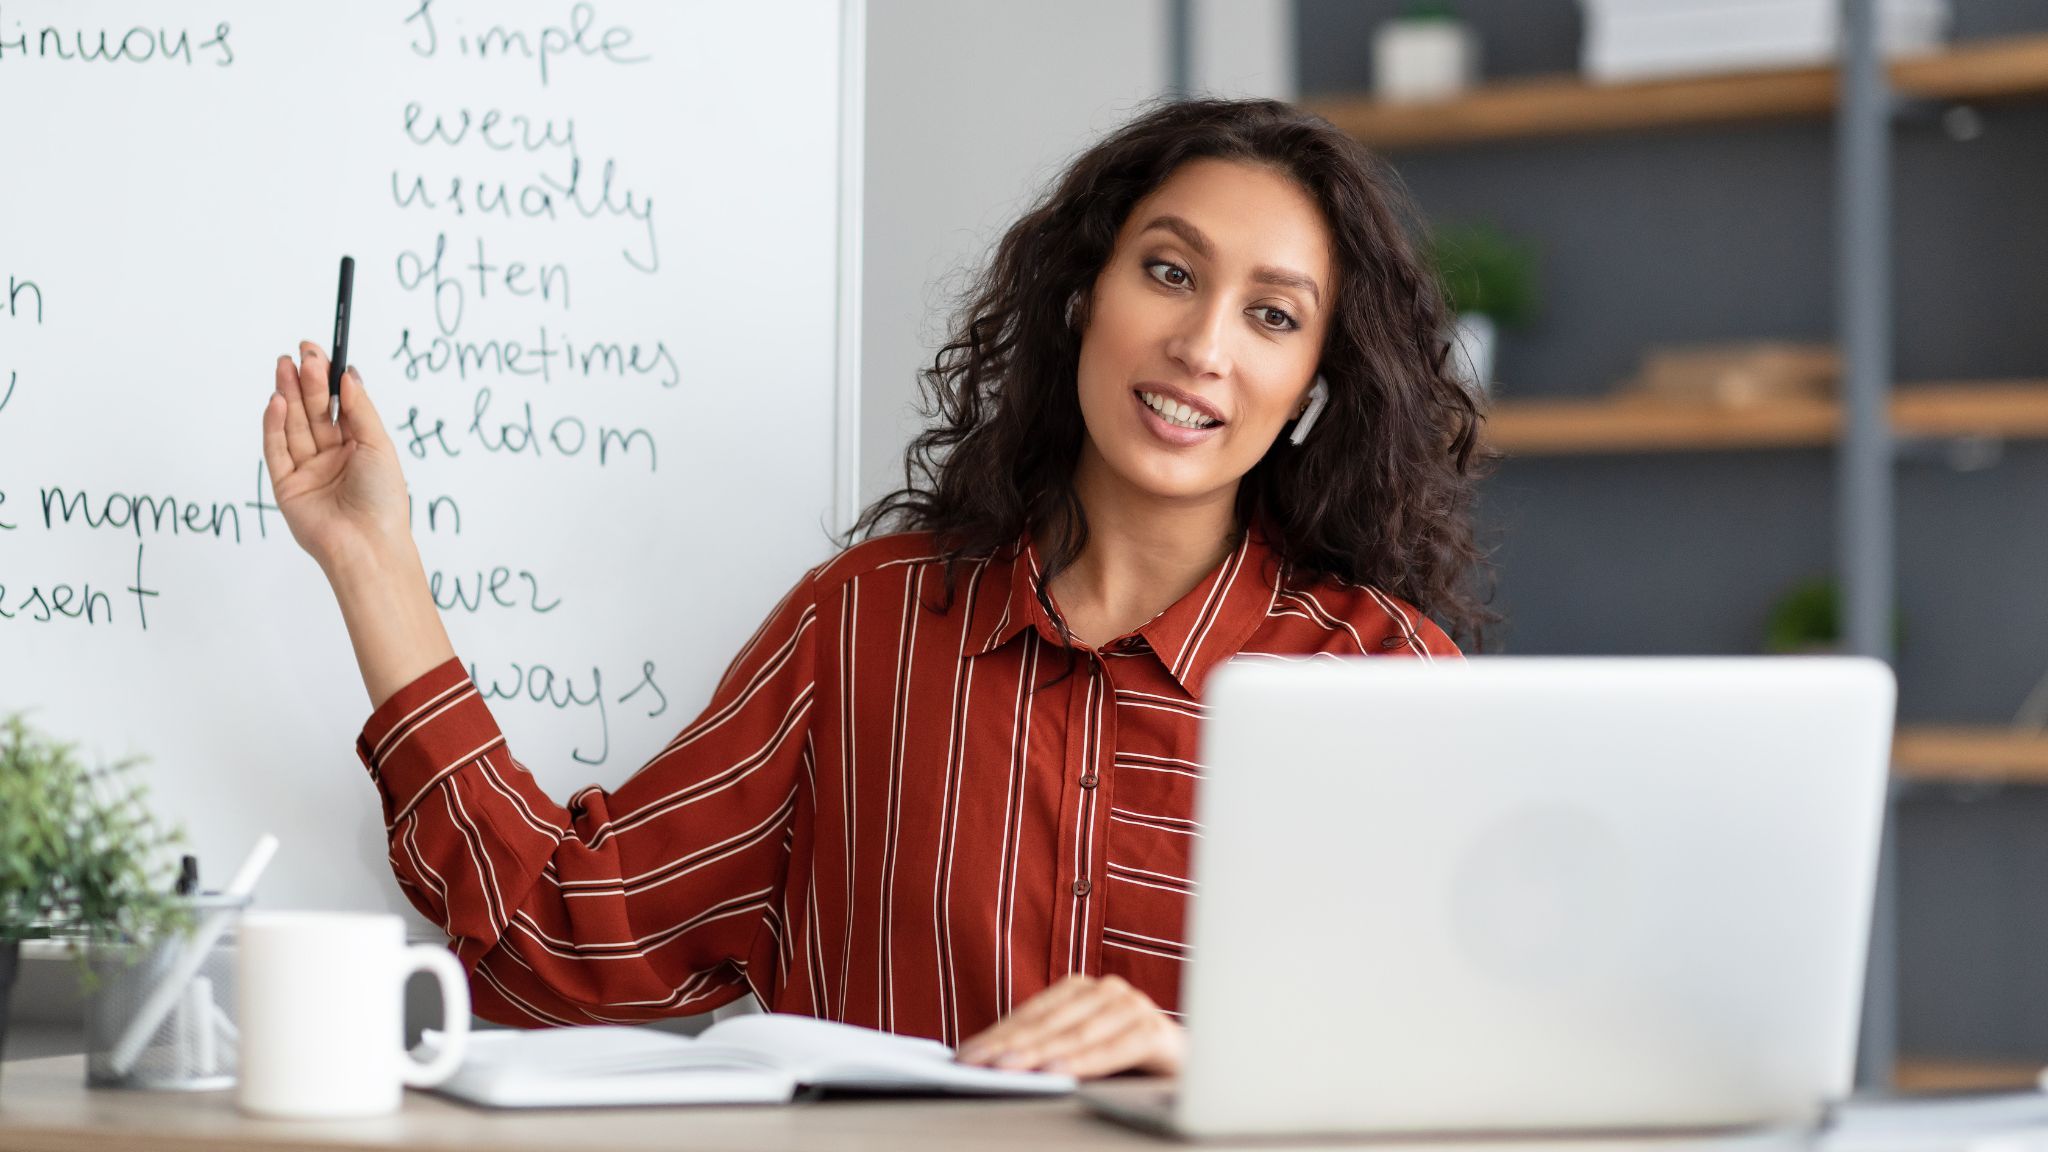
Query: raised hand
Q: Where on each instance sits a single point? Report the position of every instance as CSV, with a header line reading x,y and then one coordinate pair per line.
x,y
343,495
338,486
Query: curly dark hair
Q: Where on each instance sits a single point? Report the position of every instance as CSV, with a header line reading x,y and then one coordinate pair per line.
x,y
1381,494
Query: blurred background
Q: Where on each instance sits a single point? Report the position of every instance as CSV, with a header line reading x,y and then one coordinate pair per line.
x,y
1642,200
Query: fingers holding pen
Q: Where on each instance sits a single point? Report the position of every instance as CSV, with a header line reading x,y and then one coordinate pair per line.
x,y
276,456
298,434
359,420
313,393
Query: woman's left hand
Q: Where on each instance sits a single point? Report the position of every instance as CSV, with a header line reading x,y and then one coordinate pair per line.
x,y
1084,1027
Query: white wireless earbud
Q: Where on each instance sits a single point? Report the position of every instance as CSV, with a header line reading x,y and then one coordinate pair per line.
x,y
1317,397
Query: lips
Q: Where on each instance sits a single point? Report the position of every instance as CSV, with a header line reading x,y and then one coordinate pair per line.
x,y
1167,432
1178,404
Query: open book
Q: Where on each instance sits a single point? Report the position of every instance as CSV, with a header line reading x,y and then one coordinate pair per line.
x,y
757,1059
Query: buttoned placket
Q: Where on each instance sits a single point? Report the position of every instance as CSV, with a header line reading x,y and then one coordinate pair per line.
x,y
1086,786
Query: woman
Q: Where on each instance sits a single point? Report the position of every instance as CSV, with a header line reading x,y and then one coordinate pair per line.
x,y
1195,409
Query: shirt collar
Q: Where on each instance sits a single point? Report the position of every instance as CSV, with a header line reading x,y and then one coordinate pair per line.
x,y
1191,637
1009,609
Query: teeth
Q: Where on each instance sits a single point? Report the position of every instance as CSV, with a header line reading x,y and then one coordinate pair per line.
x,y
1175,413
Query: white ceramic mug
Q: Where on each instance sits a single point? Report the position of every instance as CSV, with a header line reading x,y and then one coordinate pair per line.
x,y
320,1001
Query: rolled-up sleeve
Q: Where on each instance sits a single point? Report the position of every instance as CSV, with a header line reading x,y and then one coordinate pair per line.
x,y
652,899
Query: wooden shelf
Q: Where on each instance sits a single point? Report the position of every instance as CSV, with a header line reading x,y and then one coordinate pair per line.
x,y
1969,754
2016,409
2005,68
1946,1074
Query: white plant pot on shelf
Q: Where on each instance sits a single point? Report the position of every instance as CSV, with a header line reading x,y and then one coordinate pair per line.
x,y
1472,341
1423,59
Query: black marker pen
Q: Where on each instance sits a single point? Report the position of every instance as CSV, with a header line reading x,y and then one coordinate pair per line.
x,y
339,364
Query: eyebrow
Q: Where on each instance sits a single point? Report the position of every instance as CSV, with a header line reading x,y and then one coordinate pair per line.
x,y
1263,274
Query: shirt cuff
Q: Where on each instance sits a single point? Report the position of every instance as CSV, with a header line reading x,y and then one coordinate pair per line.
x,y
423,734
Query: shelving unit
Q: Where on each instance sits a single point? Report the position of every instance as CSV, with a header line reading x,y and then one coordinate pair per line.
x,y
1961,754
1552,106
1861,96
1924,1074
2002,409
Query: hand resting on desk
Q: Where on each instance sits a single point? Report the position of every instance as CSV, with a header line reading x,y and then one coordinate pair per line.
x,y
1083,1027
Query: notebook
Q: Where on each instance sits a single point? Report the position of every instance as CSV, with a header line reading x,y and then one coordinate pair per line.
x,y
765,1058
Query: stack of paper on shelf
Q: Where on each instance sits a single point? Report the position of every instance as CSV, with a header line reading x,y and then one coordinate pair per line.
x,y
1644,39
1738,374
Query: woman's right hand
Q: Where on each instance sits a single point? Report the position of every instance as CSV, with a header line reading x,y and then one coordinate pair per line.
x,y
339,487
342,493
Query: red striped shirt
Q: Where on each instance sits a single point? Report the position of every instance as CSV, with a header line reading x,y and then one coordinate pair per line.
x,y
892,813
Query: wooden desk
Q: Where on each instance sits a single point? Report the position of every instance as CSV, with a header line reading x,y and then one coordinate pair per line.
x,y
45,1107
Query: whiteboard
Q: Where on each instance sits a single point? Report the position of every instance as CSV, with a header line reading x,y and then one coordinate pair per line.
x,y
605,301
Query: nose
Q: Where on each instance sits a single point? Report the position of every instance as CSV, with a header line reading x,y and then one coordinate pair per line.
x,y
1198,343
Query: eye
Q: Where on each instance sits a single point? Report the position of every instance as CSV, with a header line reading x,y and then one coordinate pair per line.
x,y
1173,276
1276,319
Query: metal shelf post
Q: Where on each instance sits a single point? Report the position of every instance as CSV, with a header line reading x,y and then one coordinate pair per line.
x,y
1863,476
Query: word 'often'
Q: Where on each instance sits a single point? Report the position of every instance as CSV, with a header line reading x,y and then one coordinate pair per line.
x,y
548,283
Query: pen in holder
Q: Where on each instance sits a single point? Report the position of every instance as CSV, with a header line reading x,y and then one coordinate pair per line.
x,y
192,1048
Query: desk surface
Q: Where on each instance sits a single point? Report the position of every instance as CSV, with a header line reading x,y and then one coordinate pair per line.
x,y
45,1107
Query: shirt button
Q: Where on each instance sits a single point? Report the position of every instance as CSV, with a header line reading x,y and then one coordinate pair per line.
x,y
1088,781
1131,644
1082,887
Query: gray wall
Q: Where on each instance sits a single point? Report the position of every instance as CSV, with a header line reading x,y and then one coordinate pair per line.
x,y
973,105
1727,233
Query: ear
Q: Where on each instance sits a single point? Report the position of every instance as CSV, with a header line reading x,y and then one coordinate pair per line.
x,y
1318,397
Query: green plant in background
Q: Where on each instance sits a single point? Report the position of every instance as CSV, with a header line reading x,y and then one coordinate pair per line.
x,y
80,856
1484,270
1808,618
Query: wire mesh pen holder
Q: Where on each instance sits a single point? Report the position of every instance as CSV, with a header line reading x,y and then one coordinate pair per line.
x,y
192,1048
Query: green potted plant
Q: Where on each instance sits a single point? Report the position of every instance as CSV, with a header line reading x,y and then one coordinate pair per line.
x,y
80,855
1489,278
1806,620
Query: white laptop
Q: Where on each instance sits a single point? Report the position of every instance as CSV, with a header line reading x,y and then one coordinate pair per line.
x,y
1527,895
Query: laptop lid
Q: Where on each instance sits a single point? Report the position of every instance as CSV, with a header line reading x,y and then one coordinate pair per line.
x,y
1514,894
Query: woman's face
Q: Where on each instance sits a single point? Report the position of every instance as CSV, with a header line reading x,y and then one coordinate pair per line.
x,y
1204,329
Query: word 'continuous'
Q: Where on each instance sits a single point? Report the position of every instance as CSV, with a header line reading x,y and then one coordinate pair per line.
x,y
137,45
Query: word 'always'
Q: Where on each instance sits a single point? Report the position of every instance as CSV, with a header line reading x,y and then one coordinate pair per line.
x,y
540,684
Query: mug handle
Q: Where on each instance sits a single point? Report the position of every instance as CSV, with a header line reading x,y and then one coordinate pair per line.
x,y
447,970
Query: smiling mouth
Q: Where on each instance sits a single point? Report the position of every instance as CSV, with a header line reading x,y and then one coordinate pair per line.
x,y
1175,413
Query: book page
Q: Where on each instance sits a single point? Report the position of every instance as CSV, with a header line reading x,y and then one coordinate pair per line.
x,y
585,1067
822,1053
